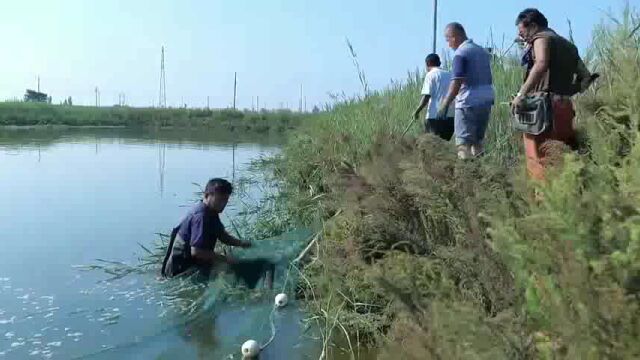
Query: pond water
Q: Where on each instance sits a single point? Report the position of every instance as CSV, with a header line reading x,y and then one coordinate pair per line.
x,y
71,196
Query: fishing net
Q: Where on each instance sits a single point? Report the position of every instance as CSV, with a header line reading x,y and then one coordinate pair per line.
x,y
212,319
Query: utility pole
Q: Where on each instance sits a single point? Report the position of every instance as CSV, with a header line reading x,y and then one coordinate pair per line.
x,y
435,24
235,88
305,103
162,101
97,96
300,105
38,83
258,103
207,102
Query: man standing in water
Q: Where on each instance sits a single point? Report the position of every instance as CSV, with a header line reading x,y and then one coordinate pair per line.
x,y
471,88
434,90
554,67
193,242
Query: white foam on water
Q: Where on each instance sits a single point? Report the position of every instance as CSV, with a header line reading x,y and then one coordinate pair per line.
x,y
55,343
9,335
17,344
76,334
34,352
37,335
7,321
48,315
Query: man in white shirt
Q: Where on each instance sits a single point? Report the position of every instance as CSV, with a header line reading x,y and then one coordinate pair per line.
x,y
434,90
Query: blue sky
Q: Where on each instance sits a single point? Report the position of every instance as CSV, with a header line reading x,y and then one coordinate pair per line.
x,y
274,45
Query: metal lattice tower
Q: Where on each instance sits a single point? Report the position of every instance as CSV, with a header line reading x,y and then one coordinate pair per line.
x,y
162,101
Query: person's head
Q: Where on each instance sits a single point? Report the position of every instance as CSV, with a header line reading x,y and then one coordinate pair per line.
x,y
216,194
432,61
455,35
530,22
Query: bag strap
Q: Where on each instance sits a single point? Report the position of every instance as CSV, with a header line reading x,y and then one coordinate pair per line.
x,y
172,239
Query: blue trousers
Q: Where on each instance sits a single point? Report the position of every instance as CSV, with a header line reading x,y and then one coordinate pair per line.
x,y
471,124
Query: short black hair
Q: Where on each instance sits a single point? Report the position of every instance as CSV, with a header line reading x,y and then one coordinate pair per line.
x,y
218,186
433,60
457,28
532,16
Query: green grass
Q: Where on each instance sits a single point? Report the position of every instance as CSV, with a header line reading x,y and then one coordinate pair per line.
x,y
34,114
423,256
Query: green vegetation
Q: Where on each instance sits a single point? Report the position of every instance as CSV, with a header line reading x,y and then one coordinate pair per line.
x,y
423,256
34,114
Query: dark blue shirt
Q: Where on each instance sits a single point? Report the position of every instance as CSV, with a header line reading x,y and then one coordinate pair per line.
x,y
201,228
472,64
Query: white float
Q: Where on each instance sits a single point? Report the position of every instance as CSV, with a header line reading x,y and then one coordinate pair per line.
x,y
281,300
250,349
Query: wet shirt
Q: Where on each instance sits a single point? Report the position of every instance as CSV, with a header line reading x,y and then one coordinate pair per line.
x,y
472,64
201,228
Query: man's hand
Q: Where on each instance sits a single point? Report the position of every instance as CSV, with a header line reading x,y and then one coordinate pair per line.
x,y
442,112
516,103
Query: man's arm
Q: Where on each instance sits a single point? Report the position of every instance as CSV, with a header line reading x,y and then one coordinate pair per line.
x,y
424,100
540,66
201,251
454,90
459,72
207,257
230,240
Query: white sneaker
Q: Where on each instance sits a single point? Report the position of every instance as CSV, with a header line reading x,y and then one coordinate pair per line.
x,y
463,152
477,150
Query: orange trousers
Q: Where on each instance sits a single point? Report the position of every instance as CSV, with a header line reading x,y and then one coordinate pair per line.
x,y
563,114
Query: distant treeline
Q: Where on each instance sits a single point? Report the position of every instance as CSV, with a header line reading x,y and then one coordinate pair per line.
x,y
35,114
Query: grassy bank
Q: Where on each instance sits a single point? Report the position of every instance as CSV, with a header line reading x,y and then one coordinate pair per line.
x,y
34,114
423,256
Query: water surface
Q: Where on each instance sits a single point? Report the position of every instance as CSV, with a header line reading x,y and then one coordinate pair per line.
x,y
71,196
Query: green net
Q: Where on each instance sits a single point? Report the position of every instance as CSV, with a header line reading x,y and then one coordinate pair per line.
x,y
211,320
